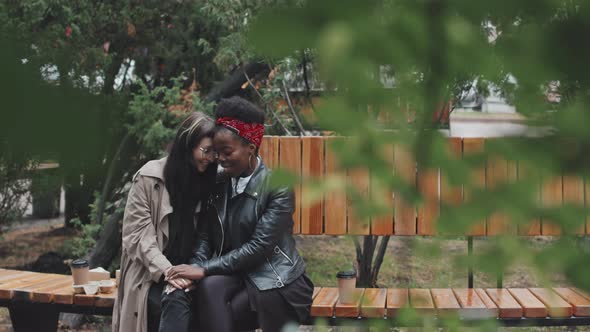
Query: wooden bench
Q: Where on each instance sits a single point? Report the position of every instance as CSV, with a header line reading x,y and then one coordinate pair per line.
x,y
333,214
36,299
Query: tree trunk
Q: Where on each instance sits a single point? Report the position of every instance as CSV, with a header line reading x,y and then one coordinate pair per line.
x,y
109,243
367,267
105,194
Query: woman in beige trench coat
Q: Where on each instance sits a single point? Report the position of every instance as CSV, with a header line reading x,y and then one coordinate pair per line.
x,y
165,194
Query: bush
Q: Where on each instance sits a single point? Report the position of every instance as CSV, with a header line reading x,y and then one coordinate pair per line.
x,y
14,188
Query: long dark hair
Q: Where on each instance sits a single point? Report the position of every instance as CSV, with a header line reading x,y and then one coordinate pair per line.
x,y
185,184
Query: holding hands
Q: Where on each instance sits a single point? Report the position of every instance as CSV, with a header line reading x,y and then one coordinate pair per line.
x,y
181,276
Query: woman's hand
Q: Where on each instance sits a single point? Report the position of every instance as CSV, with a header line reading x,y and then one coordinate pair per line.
x,y
186,271
181,283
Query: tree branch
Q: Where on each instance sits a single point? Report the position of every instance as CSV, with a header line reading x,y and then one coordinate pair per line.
x,y
359,252
276,117
379,260
295,116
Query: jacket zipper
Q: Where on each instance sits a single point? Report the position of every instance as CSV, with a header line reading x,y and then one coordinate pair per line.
x,y
222,235
279,282
277,248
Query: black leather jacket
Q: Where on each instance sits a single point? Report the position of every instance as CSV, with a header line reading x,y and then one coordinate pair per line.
x,y
260,229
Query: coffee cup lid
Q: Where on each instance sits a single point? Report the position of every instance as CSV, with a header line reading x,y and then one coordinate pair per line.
x,y
346,275
78,263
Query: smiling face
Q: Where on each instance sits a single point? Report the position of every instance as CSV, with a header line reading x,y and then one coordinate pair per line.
x,y
203,154
234,155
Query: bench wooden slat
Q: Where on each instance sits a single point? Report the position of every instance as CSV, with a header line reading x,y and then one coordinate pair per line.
x,y
429,211
323,304
445,301
26,293
350,309
556,306
485,298
532,307
478,179
397,298
7,289
63,295
106,300
551,196
421,301
581,292
13,275
472,307
290,159
580,303
84,300
373,304
383,225
313,167
404,212
4,272
507,305
573,193
335,212
359,179
316,290
47,294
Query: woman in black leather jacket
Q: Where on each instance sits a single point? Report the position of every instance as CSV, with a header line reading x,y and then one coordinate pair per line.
x,y
250,272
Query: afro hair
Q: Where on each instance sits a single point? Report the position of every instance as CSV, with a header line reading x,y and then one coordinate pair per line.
x,y
239,108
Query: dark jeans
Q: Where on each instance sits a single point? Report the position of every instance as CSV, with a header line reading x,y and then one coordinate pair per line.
x,y
169,312
224,305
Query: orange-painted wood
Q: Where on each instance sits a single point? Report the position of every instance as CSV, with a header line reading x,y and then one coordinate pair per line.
x,y
474,146
532,307
507,305
312,211
373,303
580,304
290,159
404,212
397,298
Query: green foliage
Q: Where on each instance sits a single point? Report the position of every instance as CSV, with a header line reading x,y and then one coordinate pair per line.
x,y
81,246
436,49
13,187
88,233
93,65
151,123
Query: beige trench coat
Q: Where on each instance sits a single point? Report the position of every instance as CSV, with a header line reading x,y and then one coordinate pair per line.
x,y
145,234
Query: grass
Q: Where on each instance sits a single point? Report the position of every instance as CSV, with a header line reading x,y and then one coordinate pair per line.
x,y
423,262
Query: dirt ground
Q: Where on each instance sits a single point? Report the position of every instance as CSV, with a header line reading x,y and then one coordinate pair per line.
x,y
405,264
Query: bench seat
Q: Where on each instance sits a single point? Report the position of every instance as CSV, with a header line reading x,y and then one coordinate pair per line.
x,y
44,296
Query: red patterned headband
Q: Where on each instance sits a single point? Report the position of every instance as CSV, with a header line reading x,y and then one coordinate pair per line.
x,y
253,132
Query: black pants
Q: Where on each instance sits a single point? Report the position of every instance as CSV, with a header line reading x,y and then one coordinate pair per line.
x,y
224,306
169,312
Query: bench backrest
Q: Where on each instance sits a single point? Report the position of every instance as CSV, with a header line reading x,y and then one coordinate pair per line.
x,y
309,157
